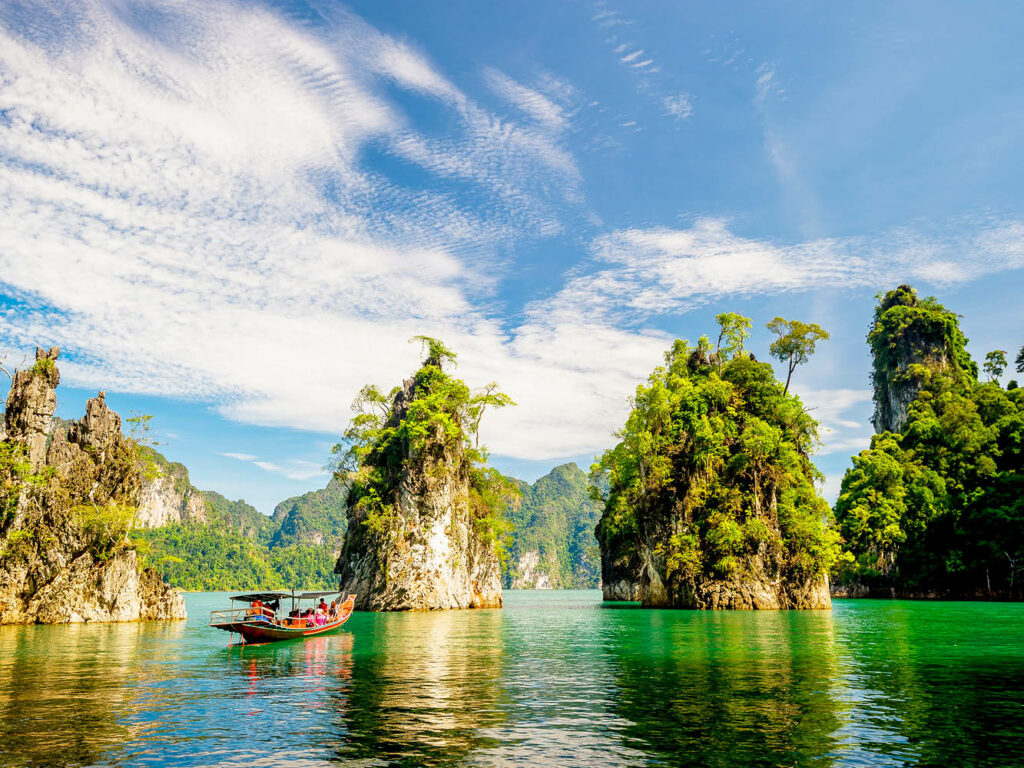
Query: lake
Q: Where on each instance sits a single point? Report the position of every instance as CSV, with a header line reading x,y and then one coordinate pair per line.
x,y
553,679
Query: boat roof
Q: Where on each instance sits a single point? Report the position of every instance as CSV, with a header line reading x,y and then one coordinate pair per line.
x,y
252,597
315,595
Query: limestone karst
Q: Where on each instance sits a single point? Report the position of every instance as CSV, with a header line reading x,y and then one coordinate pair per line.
x,y
710,498
423,517
68,503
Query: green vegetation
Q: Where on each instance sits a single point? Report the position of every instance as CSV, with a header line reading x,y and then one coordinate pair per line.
x,y
436,420
195,557
995,364
939,507
317,517
795,343
556,520
713,468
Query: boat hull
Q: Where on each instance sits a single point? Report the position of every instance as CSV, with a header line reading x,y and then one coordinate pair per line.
x,y
265,632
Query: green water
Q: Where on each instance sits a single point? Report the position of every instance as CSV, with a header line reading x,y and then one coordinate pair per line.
x,y
555,678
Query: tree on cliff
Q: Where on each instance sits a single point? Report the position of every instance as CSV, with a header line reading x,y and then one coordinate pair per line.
x,y
711,487
417,474
995,364
795,343
937,506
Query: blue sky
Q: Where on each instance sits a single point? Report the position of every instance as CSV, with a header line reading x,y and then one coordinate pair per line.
x,y
233,215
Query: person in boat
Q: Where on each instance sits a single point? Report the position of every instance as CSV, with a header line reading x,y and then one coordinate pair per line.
x,y
323,605
255,609
332,612
320,617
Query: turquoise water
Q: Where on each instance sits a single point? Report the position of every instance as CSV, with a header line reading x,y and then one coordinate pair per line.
x,y
555,678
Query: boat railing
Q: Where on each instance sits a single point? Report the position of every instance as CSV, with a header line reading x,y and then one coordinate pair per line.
x,y
236,615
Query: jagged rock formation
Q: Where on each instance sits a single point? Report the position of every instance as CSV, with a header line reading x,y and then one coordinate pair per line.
x,y
415,538
30,405
908,339
711,501
68,504
553,544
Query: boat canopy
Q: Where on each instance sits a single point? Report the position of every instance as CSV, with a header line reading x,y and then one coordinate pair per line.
x,y
264,596
315,595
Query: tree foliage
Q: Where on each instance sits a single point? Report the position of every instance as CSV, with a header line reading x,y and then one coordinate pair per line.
x,y
794,344
717,453
434,421
995,364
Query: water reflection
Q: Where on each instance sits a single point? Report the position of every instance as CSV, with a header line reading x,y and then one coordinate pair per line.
x,y
932,683
427,690
725,689
553,679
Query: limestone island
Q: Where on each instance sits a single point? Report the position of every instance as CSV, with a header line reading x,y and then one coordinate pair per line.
x,y
426,523
69,500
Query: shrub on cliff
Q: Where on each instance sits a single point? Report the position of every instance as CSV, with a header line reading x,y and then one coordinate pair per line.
x,y
433,424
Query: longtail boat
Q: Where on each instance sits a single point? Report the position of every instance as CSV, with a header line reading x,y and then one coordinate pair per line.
x,y
259,621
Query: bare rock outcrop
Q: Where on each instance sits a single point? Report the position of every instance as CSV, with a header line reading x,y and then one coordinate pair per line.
x,y
69,503
30,405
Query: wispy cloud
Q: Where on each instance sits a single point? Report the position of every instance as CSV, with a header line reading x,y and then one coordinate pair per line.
x,y
239,456
293,469
645,272
679,106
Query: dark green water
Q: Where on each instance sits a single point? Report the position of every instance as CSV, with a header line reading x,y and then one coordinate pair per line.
x,y
553,679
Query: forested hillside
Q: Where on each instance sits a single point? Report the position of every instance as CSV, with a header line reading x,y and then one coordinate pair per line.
x,y
214,543
553,544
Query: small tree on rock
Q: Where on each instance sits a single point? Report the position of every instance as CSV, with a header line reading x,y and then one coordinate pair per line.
x,y
995,364
795,343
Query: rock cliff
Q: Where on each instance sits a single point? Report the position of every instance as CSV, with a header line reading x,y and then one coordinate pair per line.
x,y
418,519
912,340
69,501
167,495
935,506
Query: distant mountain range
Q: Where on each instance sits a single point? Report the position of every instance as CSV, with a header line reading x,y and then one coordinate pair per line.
x,y
200,540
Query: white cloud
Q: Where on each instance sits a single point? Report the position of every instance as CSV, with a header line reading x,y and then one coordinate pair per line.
x,y
679,106
239,456
654,271
530,101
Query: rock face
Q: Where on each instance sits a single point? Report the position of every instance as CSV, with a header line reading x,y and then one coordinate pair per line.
x,y
620,569
30,406
907,338
167,496
530,573
426,553
69,502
